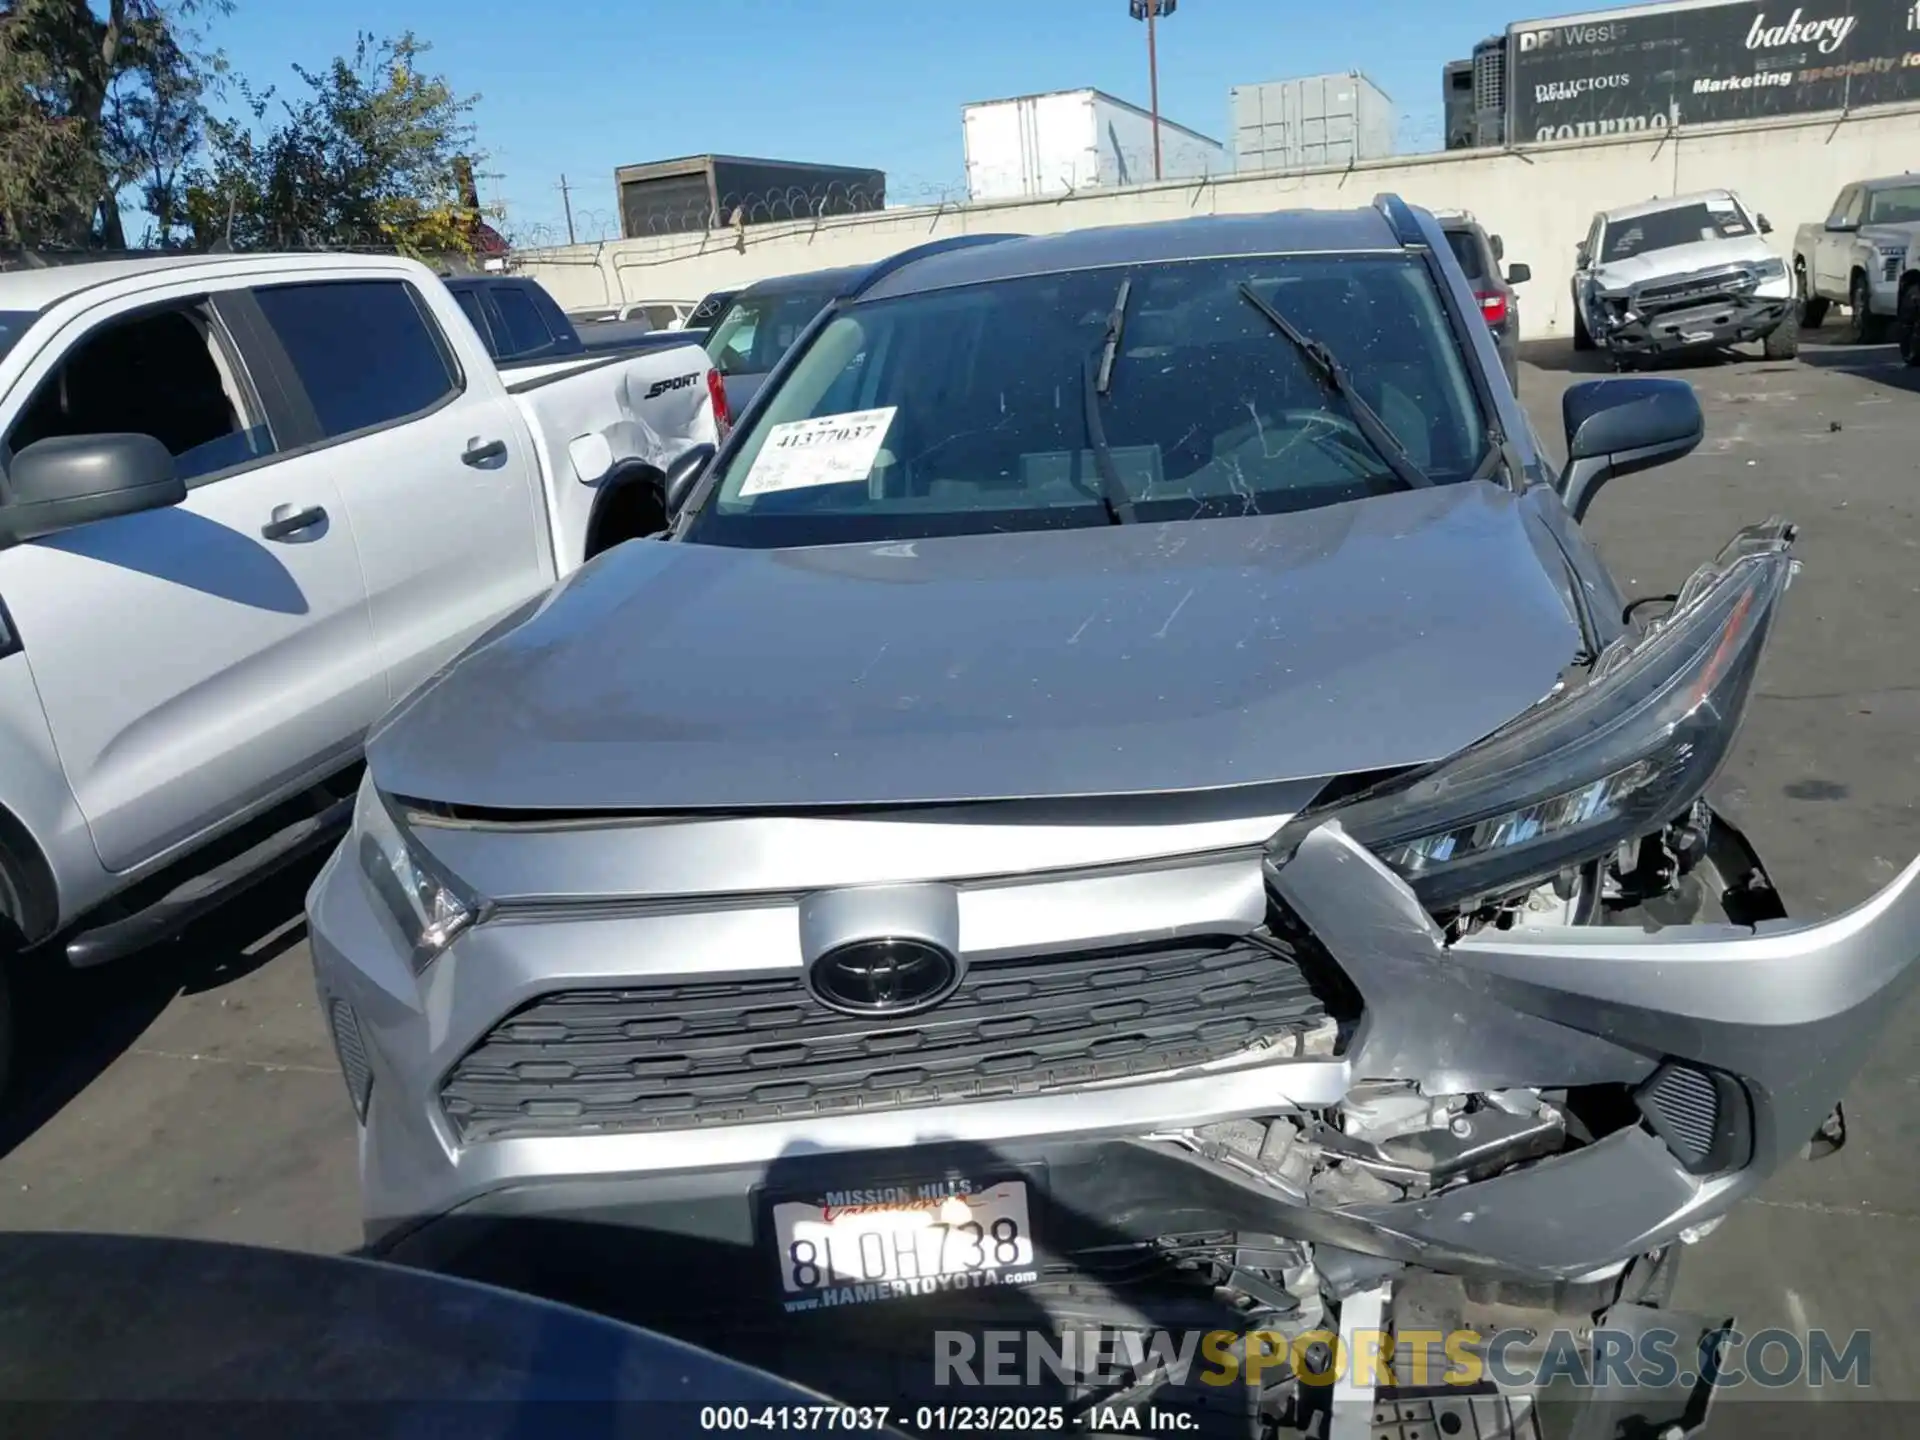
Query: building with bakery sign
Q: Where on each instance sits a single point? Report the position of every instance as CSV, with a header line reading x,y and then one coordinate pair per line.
x,y
1695,62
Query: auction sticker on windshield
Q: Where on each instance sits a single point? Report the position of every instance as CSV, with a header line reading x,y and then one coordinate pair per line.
x,y
827,450
852,1247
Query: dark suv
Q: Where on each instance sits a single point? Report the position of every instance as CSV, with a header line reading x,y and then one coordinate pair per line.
x,y
1480,256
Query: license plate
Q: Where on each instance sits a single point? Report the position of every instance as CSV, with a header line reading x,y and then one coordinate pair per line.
x,y
890,1242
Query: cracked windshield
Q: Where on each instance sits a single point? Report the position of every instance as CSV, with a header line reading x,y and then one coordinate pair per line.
x,y
1187,718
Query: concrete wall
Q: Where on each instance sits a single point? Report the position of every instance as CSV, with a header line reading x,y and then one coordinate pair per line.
x,y
1541,199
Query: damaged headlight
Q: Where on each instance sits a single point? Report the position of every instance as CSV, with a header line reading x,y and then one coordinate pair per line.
x,y
1615,759
427,907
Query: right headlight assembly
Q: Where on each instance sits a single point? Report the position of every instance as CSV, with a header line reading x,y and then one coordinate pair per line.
x,y
1629,750
426,907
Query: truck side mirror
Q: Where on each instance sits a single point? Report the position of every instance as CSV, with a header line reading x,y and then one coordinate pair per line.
x,y
1582,257
1618,427
72,480
1519,273
682,475
1840,224
1766,225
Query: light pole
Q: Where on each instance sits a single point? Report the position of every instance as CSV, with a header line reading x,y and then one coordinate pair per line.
x,y
1151,11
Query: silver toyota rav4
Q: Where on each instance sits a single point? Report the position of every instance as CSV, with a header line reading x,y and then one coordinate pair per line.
x,y
1125,772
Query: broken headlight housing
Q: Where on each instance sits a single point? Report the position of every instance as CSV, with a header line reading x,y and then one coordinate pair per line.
x,y
1617,758
427,907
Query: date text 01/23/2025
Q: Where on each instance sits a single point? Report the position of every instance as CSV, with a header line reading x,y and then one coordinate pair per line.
x,y
873,1419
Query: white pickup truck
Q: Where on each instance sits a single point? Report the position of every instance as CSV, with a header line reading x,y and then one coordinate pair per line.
x,y
246,504
1857,255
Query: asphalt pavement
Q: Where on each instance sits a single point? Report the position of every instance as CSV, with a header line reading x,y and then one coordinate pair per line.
x,y
193,1091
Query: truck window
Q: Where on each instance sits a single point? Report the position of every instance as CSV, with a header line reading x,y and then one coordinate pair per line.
x,y
364,349
1896,205
13,324
527,332
164,373
470,304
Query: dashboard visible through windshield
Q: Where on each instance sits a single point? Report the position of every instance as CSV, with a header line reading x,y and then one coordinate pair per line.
x,y
1145,393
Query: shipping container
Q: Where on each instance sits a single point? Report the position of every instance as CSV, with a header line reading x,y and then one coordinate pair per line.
x,y
1697,62
703,192
1038,145
1313,121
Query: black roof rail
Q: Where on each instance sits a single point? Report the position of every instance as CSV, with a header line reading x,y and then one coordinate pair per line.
x,y
886,267
1399,216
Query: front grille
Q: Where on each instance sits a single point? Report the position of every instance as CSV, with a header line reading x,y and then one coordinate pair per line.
x,y
690,1053
1700,287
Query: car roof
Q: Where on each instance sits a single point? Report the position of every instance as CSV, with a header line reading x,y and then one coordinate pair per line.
x,y
1198,238
1671,202
1886,181
832,280
37,289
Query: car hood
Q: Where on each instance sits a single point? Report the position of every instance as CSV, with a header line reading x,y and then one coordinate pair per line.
x,y
1100,661
1677,261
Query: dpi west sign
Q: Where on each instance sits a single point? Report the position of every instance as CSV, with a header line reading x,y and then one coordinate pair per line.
x,y
1701,63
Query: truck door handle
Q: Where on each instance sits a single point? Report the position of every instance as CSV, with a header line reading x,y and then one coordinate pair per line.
x,y
478,454
285,527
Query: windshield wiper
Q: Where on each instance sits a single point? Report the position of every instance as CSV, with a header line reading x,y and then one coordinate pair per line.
x,y
1094,385
1110,347
1333,375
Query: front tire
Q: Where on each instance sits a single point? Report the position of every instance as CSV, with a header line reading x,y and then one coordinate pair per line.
x,y
1907,325
1783,341
1864,327
1582,337
6,1012
1813,310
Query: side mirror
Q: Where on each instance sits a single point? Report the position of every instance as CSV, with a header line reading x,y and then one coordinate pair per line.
x,y
682,475
1766,225
1582,257
1519,273
73,480
1840,224
1617,427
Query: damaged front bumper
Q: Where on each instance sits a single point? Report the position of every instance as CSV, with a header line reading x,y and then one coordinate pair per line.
x,y
1692,313
1734,1043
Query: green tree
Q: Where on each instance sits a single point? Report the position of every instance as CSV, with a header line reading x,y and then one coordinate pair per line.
x,y
367,156
94,100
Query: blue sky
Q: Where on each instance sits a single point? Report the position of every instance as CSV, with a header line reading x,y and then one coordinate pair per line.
x,y
582,86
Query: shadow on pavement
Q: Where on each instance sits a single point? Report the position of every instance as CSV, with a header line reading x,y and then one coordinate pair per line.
x,y
72,1024
1829,350
1560,356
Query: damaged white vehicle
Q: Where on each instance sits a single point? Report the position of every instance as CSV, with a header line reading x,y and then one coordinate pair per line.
x,y
1689,273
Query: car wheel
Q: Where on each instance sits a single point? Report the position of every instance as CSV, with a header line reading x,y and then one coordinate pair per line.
x,y
6,1012
1908,323
1582,337
1813,310
1783,341
1865,327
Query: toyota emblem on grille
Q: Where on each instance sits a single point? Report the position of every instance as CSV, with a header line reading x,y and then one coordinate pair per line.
x,y
883,977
